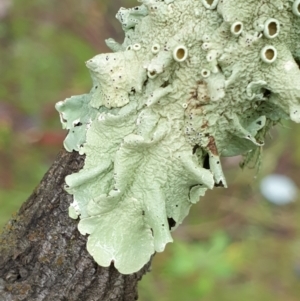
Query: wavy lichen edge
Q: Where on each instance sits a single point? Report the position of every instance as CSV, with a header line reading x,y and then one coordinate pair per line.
x,y
192,81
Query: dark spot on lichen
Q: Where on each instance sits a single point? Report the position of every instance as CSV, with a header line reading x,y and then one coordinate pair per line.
x,y
171,222
165,84
220,184
145,82
195,148
206,162
267,93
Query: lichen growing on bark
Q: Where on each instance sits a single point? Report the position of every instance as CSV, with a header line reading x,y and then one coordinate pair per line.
x,y
193,80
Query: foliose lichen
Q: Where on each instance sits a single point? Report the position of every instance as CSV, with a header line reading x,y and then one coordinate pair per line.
x,y
193,80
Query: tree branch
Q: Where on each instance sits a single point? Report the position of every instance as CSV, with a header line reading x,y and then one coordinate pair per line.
x,y
44,257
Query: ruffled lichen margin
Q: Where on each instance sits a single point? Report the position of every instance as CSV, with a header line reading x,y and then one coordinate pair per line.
x,y
193,80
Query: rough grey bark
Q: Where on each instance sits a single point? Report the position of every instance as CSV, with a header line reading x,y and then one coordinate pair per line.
x,y
43,256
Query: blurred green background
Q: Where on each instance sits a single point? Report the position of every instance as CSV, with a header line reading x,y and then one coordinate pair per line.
x,y
233,246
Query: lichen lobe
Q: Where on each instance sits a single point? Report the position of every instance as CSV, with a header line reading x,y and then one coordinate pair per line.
x,y
192,81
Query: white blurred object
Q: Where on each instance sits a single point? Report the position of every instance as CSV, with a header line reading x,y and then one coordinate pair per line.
x,y
278,189
4,7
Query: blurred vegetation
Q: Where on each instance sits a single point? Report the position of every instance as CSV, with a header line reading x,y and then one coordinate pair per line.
x,y
233,246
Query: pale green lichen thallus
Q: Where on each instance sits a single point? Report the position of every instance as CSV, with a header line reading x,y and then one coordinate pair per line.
x,y
193,80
